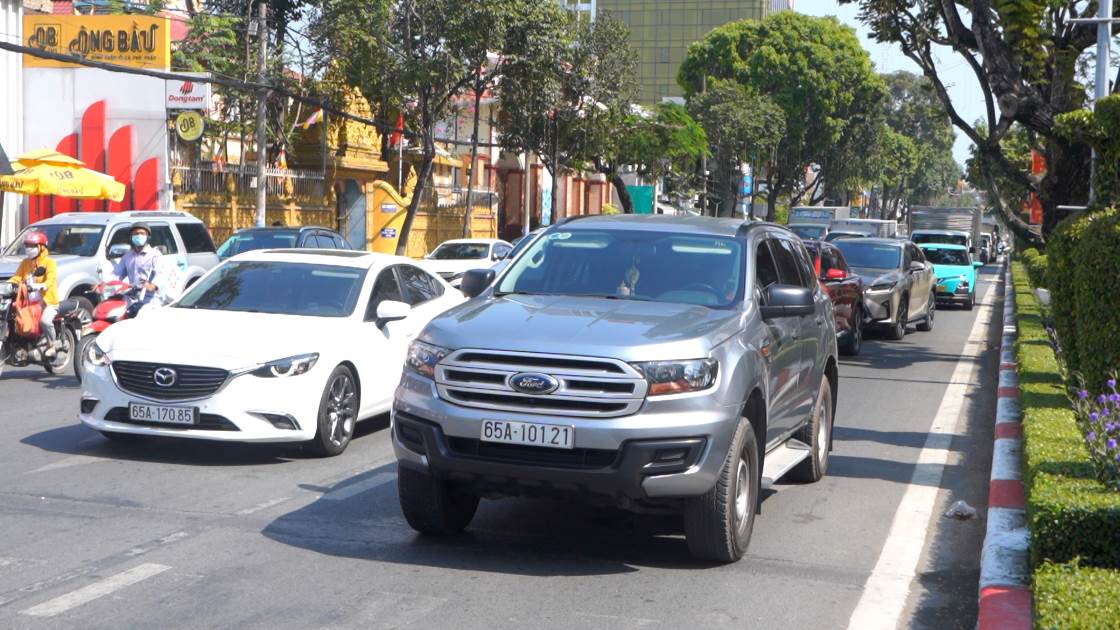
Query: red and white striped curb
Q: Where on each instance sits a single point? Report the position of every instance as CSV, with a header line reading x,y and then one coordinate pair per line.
x,y
1005,594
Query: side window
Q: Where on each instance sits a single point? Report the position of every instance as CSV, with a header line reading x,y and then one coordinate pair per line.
x,y
419,287
307,240
789,269
337,242
501,251
385,287
918,254
121,237
835,259
164,240
196,238
907,257
765,271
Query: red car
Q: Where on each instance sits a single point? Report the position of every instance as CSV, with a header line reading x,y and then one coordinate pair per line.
x,y
845,289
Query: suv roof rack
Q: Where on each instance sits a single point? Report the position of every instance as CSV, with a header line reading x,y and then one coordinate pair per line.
x,y
748,226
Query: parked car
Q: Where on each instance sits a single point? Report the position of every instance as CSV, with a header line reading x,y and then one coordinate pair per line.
x,y
649,361
310,237
272,346
844,289
454,258
82,244
899,282
955,271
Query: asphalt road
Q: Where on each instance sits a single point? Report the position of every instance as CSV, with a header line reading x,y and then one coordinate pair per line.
x,y
199,535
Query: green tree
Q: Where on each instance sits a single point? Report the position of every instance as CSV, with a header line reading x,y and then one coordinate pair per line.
x,y
741,125
815,70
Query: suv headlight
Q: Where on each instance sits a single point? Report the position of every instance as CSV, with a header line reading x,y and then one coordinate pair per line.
x,y
423,357
291,366
883,286
678,377
96,356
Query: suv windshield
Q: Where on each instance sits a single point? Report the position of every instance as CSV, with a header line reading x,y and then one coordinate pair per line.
x,y
939,256
948,239
73,240
280,288
631,265
860,253
460,251
249,241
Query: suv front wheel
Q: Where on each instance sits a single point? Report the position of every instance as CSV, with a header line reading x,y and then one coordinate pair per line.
x,y
718,523
433,506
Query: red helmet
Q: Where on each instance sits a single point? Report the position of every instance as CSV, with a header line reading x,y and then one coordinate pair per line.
x,y
35,238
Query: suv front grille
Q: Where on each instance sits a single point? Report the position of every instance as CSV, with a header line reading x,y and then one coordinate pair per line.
x,y
587,387
191,382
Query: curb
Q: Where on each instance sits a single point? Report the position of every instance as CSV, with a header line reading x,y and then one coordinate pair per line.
x,y
1005,592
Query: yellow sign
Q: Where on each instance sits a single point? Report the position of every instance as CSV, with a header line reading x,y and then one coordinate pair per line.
x,y
138,41
189,125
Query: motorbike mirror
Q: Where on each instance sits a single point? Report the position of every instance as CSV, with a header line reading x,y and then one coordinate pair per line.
x,y
117,251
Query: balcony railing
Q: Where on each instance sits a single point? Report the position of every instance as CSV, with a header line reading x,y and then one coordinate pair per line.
x,y
208,177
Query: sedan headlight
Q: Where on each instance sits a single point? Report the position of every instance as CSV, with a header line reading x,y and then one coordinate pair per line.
x,y
883,286
678,377
96,356
423,357
291,366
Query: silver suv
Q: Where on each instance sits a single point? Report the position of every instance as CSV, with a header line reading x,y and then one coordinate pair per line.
x,y
642,361
80,243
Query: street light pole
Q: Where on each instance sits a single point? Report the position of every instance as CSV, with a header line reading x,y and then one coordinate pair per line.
x,y
1104,22
262,101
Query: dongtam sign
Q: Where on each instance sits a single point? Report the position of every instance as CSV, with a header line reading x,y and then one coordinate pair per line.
x,y
138,41
189,94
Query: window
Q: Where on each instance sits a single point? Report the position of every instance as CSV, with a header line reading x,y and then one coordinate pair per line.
x,y
957,257
786,261
460,251
766,272
859,253
501,251
280,288
75,240
385,287
419,287
162,239
831,259
339,242
196,238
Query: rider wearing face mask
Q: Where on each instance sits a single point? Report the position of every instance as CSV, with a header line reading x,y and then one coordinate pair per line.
x,y
35,256
139,264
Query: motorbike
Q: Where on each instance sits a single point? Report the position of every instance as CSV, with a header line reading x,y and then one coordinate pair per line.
x,y
115,299
20,351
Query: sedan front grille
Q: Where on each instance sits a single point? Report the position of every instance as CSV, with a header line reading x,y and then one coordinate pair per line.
x,y
189,383
584,386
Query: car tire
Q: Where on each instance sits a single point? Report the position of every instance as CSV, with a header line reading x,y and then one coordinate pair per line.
x,y
718,523
818,435
65,354
338,413
854,341
432,506
898,330
926,325
79,355
971,301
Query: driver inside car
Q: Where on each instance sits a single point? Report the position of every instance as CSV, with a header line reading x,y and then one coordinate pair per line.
x,y
36,258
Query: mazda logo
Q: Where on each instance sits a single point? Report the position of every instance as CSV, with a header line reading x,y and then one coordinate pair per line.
x,y
165,377
533,383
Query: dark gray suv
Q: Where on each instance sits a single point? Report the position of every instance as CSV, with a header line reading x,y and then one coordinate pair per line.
x,y
642,361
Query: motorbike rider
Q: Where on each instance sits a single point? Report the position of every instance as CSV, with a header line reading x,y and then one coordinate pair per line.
x,y
139,265
36,256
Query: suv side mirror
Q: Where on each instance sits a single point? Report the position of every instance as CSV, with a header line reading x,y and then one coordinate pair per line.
x,y
475,281
786,300
391,311
977,264
116,252
916,265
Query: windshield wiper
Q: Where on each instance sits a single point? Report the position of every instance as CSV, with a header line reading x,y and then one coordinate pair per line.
x,y
609,296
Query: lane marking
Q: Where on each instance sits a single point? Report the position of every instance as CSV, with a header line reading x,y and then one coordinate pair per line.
x,y
261,506
98,589
345,492
886,590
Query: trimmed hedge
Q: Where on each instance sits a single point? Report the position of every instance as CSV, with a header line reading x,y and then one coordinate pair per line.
x,y
1069,512
1037,265
1072,597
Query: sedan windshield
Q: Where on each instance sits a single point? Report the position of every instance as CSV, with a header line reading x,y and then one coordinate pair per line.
x,y
460,251
939,256
73,240
947,239
860,253
631,265
807,231
279,288
249,241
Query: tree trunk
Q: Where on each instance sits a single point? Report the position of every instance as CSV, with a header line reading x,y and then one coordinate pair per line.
x,y
1067,173
772,205
1014,223
418,192
623,194
474,162
554,195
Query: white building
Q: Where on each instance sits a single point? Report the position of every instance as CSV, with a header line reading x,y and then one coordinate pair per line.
x,y
11,109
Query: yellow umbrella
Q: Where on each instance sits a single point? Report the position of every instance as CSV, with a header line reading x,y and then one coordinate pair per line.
x,y
47,172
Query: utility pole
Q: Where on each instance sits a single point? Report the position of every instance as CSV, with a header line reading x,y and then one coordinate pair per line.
x,y
1104,21
704,158
262,101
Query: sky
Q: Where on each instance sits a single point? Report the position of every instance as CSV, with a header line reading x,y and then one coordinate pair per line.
x,y
963,88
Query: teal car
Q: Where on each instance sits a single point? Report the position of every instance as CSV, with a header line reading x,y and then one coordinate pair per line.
x,y
955,271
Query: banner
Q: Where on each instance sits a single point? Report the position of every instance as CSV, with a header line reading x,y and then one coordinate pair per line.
x,y
138,41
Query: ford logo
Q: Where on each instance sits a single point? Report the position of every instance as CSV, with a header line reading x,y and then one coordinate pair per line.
x,y
165,377
533,383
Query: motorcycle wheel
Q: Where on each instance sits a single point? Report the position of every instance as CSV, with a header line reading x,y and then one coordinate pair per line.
x,y
3,356
65,352
80,350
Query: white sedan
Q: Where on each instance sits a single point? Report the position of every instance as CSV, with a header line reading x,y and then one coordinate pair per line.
x,y
270,346
454,258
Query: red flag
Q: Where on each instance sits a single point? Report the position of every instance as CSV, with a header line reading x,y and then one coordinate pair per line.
x,y
398,133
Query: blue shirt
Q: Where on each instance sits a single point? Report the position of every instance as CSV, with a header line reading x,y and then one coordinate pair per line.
x,y
137,268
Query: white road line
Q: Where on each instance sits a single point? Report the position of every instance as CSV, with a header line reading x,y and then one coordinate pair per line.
x,y
68,462
887,588
345,492
101,588
261,506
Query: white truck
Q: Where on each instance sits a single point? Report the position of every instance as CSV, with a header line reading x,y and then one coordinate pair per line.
x,y
939,224
880,228
814,221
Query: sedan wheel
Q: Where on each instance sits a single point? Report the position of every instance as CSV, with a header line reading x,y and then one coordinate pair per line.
x,y
338,412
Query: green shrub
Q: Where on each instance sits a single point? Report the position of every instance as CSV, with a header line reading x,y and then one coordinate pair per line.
x,y
1072,597
1070,513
